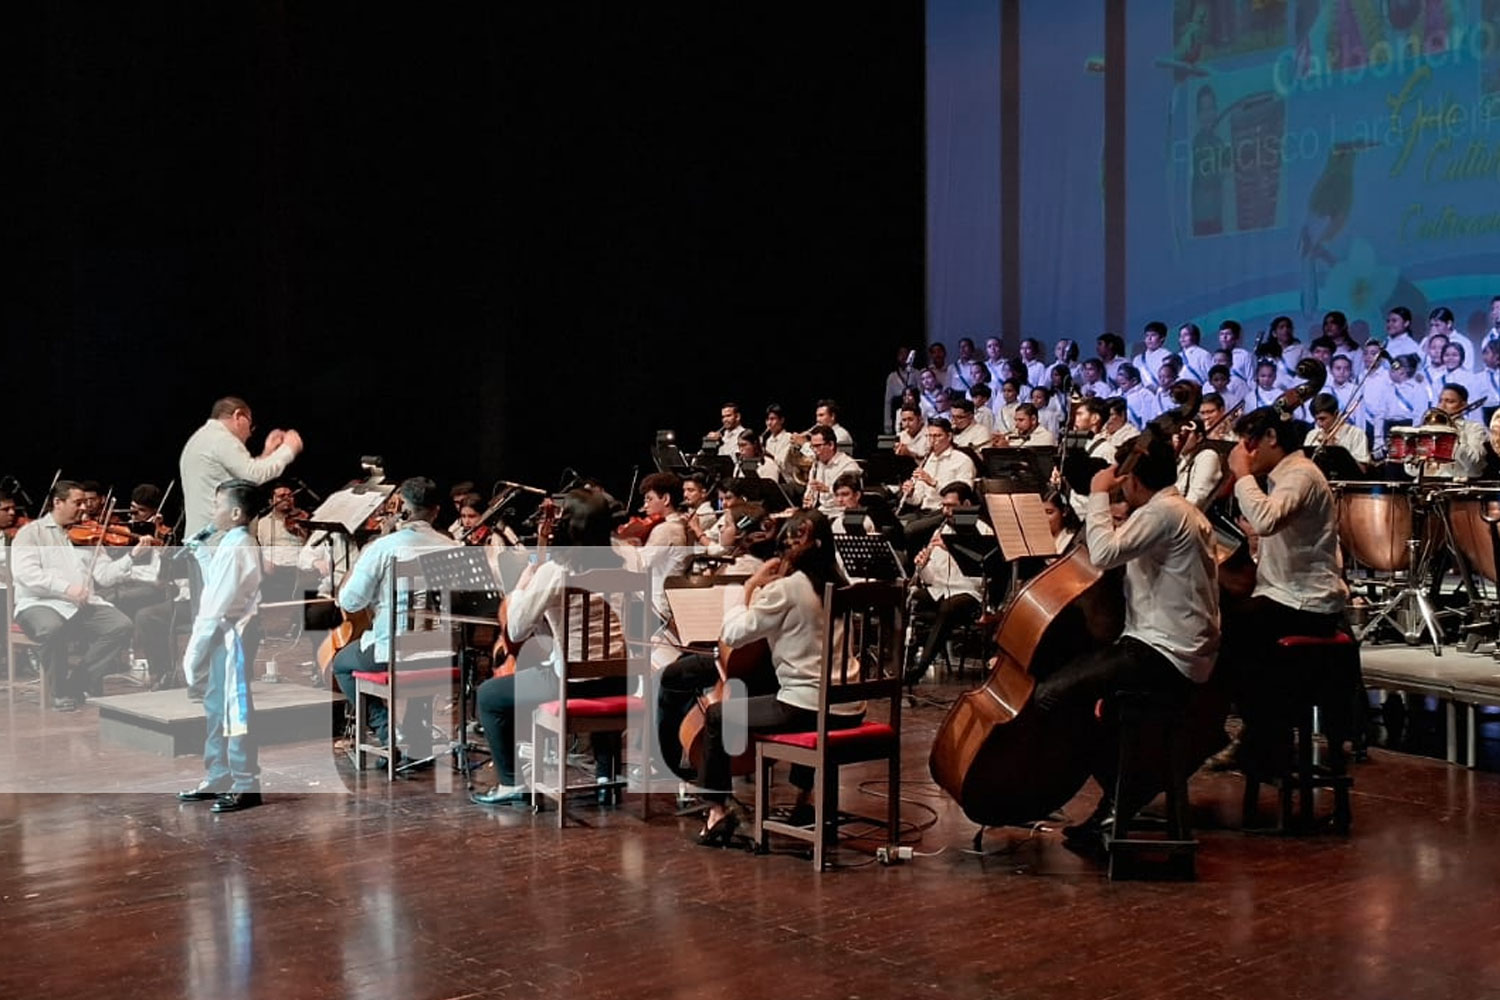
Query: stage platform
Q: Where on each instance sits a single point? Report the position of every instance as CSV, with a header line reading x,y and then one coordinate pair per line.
x,y
167,723
1462,683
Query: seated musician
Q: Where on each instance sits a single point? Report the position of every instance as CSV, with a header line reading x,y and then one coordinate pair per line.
x,y
1171,632
1029,432
367,588
1212,415
1299,583
1200,470
665,552
911,439
784,606
944,464
955,598
826,414
1327,427
776,439
1062,520
967,432
849,491
730,430
1470,450
828,464
457,495
57,600
752,460
142,588
583,539
698,514
280,538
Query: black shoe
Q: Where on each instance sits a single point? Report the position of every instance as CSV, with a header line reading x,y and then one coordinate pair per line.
x,y
1092,829
229,802
499,795
203,793
64,704
722,832
195,694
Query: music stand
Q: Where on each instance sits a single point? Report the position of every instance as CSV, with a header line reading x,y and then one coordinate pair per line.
x,y
1335,461
865,556
885,467
461,575
1025,470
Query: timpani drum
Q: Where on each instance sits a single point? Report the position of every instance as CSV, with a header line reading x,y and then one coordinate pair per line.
x,y
1375,522
1473,514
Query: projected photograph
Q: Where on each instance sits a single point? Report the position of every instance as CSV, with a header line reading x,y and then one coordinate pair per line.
x,y
1204,30
1234,177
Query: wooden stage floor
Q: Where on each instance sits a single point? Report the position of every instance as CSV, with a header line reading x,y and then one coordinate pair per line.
x,y
406,891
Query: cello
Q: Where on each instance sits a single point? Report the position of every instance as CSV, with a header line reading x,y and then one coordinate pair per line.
x,y
1002,757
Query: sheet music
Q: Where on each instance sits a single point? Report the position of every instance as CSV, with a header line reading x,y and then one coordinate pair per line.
x,y
1007,526
349,508
1032,515
698,612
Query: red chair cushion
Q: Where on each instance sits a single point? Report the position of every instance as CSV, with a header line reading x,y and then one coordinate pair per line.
x,y
1296,641
618,704
427,675
870,732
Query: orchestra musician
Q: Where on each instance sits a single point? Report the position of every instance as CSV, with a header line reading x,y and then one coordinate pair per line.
x,y
967,432
698,514
582,539
753,462
1171,632
367,588
911,439
784,606
280,537
776,439
1029,432
952,597
216,453
730,431
944,464
1325,410
1211,413
1299,583
1469,451
828,464
459,494
1199,467
57,599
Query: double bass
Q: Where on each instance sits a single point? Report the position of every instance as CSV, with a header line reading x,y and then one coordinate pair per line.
x,y
1005,759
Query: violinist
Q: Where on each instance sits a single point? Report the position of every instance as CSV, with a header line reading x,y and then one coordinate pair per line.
x,y
1212,415
143,587
280,535
1171,632
458,494
698,514
783,605
665,551
1299,583
57,598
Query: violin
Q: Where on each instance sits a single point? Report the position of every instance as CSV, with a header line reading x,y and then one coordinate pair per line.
x,y
638,528
94,533
296,523
478,535
21,522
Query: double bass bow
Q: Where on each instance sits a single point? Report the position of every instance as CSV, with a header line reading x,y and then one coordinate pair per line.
x,y
1005,759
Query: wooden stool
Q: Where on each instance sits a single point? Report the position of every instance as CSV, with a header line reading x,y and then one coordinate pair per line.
x,y
1144,715
1325,668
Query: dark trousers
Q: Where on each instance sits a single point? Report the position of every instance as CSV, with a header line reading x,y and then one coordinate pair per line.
x,y
130,597
229,761
107,631
677,689
155,628
1254,671
764,713
351,658
951,612
1127,665
503,703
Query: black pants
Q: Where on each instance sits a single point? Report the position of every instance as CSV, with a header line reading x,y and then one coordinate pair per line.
x,y
155,628
505,702
951,612
677,689
132,596
418,710
1250,659
764,713
107,631
1127,665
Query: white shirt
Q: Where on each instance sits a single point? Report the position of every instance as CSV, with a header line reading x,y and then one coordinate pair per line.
x,y
952,466
827,474
788,614
1471,357
231,593
1141,405
368,584
1299,563
536,607
1468,455
915,443
896,383
1195,363
1036,372
1171,576
778,445
1039,437
279,546
1404,343
212,456
1198,476
44,563
942,575
666,553
729,441
1148,363
1348,437
973,436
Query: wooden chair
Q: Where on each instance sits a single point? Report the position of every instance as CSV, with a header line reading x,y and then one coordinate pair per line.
x,y
420,663
601,634
861,662
16,638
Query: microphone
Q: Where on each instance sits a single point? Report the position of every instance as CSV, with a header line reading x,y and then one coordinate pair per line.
x,y
203,535
308,490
